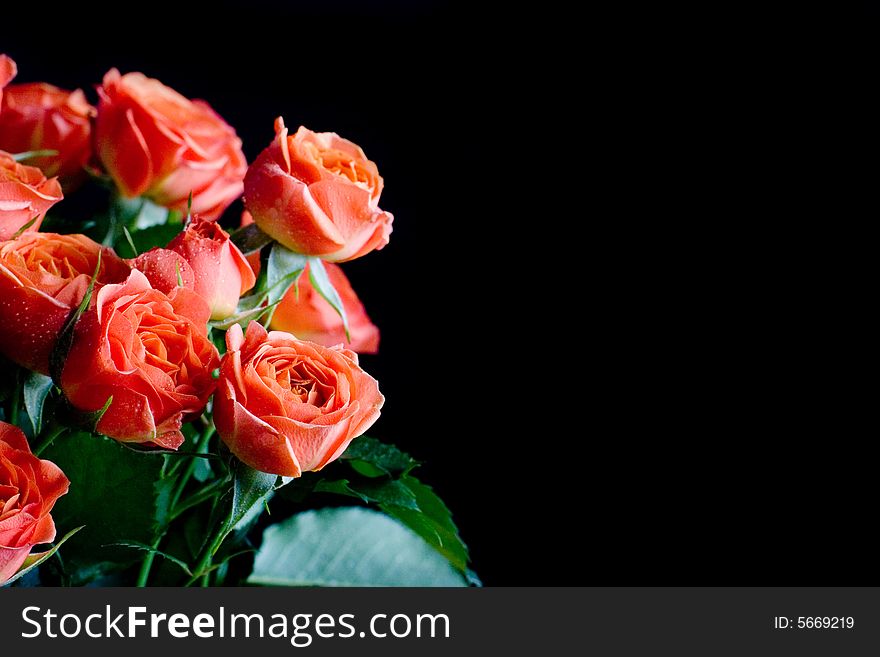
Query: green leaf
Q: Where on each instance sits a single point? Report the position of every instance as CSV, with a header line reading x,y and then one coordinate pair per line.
x,y
283,270
384,458
112,492
146,548
149,215
250,239
65,338
321,282
250,489
24,227
433,522
35,559
145,239
348,547
36,389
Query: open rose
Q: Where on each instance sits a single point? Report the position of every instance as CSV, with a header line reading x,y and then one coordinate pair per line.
x,y
39,116
148,351
318,195
25,196
29,488
222,274
42,277
310,317
8,71
285,406
156,143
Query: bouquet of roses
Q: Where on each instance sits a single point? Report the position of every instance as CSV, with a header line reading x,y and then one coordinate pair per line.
x,y
180,403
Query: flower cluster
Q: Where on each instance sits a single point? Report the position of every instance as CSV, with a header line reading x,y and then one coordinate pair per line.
x,y
128,328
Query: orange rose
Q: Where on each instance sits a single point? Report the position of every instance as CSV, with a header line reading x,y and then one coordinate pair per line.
x,y
285,406
150,352
318,195
309,316
29,488
156,143
8,71
25,195
42,117
222,274
43,276
165,270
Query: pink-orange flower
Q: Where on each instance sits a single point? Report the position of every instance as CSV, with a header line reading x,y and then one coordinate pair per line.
x,y
150,352
25,196
318,195
286,406
222,274
40,116
156,143
29,488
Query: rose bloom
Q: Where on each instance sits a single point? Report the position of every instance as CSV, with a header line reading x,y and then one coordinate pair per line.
x,y
8,71
318,195
310,317
156,143
29,488
222,274
25,195
42,117
42,277
150,352
285,406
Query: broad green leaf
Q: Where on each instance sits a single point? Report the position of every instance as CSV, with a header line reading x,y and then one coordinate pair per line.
x,y
35,559
348,547
283,270
321,282
112,492
384,458
433,522
36,389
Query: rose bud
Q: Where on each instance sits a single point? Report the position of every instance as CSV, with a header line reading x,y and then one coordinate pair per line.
x,y
148,351
29,488
165,270
310,317
285,406
318,195
38,117
222,274
8,71
25,196
42,277
156,143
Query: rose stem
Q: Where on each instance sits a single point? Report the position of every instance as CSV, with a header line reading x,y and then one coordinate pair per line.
x,y
50,438
147,563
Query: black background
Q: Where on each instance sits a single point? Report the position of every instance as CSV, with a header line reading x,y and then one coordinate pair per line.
x,y
412,83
